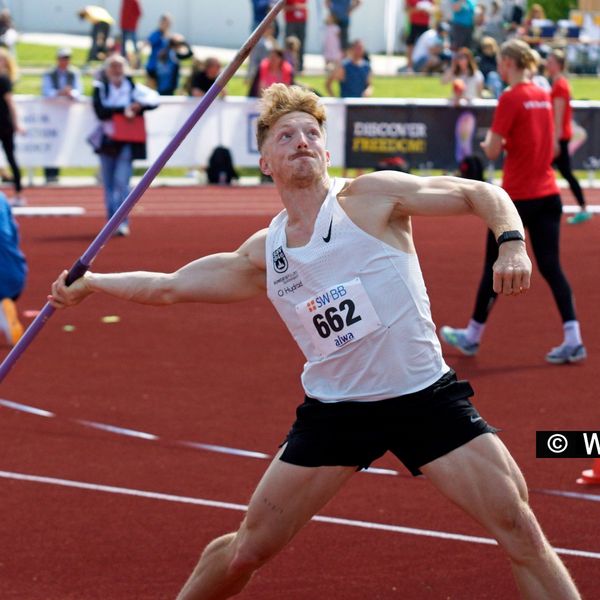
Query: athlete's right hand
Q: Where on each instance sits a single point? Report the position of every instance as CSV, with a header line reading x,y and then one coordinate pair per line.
x,y
63,295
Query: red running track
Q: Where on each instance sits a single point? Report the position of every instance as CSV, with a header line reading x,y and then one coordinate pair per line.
x,y
228,376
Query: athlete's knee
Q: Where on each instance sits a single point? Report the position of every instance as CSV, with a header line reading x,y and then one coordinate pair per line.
x,y
250,553
519,533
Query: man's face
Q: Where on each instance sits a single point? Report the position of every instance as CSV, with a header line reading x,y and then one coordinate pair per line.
x,y
552,66
357,51
294,150
212,68
115,72
63,62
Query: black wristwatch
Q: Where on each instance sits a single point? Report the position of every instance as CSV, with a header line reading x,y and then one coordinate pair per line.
x,y
509,236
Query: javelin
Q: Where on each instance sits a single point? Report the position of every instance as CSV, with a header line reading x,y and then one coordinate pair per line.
x,y
83,263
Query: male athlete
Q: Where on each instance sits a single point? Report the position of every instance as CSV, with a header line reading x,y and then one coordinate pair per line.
x,y
340,267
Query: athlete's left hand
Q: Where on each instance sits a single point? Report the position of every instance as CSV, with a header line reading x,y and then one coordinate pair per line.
x,y
512,270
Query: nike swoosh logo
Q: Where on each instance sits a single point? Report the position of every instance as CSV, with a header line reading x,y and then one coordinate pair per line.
x,y
475,419
328,236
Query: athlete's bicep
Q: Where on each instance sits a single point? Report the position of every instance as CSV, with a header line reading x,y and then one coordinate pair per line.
x,y
223,277
409,195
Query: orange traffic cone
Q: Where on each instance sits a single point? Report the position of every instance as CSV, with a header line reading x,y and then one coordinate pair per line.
x,y
591,476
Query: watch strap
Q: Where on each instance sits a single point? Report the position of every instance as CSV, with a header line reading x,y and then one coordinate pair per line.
x,y
509,236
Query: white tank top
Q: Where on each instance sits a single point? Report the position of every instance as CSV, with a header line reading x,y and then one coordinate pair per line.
x,y
356,306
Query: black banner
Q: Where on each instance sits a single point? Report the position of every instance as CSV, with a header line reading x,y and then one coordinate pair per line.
x,y
567,444
440,136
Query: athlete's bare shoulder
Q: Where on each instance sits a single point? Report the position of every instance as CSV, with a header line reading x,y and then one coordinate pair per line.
x,y
254,249
380,185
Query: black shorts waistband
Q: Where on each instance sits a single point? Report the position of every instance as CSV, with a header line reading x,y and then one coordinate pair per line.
x,y
446,379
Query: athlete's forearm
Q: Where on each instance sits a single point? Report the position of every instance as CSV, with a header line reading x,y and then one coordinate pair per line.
x,y
492,204
218,278
139,286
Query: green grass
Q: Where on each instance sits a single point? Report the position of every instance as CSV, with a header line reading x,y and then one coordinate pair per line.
x,y
39,56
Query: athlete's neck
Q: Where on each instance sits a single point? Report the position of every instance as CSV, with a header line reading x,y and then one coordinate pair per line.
x,y
303,202
302,205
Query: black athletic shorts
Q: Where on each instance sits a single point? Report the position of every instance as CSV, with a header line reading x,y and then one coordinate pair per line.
x,y
417,428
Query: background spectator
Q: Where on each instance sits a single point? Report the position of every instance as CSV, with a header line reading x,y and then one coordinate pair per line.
x,y
419,12
332,44
260,8
291,52
513,11
525,137
131,11
487,61
431,52
13,274
340,10
563,131
101,22
353,74
158,40
462,24
537,72
8,34
262,49
168,64
494,24
274,69
203,76
115,93
296,15
9,120
466,78
64,81
532,27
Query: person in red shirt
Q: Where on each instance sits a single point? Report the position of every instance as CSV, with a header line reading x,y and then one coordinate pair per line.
x,y
561,105
296,15
418,17
274,69
131,11
523,128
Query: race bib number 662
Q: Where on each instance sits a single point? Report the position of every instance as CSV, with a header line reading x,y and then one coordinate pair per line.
x,y
338,316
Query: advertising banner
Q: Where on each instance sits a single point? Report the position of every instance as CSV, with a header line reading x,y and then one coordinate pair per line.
x,y
56,132
438,135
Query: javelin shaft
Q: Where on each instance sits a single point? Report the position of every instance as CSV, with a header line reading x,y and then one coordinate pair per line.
x,y
83,263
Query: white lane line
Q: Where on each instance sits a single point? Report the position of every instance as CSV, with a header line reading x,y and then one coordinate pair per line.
x,y
236,451
81,485
150,436
242,507
577,495
225,450
118,430
573,208
28,409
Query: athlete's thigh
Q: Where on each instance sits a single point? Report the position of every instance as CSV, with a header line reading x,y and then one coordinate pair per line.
x,y
482,478
286,498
